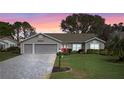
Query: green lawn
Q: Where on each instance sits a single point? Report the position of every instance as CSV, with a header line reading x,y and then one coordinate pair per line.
x,y
6,55
90,66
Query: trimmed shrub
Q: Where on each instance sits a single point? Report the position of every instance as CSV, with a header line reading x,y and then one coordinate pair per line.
x,y
15,50
104,52
81,51
74,52
69,50
92,51
3,50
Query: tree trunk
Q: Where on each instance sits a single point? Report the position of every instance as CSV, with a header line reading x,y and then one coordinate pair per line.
x,y
18,38
24,33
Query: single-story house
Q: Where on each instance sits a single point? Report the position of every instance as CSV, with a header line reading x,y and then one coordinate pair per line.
x,y
6,42
52,42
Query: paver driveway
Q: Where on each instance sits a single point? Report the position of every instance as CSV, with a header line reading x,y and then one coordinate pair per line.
x,y
27,66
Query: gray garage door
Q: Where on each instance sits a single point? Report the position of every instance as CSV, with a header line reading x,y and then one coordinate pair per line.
x,y
28,48
45,48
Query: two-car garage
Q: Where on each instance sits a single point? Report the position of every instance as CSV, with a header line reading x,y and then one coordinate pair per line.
x,y
40,44
40,48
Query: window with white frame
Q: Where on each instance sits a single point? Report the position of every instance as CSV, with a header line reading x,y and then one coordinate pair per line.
x,y
11,45
76,47
94,46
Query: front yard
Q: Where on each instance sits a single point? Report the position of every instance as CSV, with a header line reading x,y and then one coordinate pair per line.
x,y
90,66
7,55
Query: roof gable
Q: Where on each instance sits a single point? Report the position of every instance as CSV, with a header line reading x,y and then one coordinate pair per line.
x,y
3,41
43,35
96,39
9,38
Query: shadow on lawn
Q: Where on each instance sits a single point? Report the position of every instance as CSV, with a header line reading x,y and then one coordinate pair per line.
x,y
113,59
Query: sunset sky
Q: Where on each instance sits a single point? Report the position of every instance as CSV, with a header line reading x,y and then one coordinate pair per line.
x,y
50,22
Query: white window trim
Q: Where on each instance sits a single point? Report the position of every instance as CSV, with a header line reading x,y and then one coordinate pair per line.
x,y
94,46
76,47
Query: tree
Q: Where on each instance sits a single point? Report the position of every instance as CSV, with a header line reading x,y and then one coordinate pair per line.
x,y
23,30
82,23
117,47
17,27
33,31
118,27
27,29
6,29
105,32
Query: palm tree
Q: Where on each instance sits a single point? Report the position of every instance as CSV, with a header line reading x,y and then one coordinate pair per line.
x,y
17,27
117,47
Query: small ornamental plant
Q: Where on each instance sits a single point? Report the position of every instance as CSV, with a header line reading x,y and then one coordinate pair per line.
x,y
65,51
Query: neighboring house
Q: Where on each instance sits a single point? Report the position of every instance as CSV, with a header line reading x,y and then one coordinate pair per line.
x,y
6,42
2,44
52,42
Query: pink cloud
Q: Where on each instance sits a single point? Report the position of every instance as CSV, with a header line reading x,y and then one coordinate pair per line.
x,y
114,19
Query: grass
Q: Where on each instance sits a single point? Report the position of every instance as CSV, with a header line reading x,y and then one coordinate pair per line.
x,y
90,66
6,55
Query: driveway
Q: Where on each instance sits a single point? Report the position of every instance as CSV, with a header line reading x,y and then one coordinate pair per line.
x,y
27,66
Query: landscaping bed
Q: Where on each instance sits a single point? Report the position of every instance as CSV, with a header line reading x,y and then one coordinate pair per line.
x,y
62,69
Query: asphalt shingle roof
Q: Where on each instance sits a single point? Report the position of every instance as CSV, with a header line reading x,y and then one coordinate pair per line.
x,y
71,38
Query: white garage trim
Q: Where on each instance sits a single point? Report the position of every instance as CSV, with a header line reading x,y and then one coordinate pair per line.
x,y
33,48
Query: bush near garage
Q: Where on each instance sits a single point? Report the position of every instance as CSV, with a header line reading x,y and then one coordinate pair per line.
x,y
15,50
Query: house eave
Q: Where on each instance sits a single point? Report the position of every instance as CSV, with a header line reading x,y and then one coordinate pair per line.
x,y
95,38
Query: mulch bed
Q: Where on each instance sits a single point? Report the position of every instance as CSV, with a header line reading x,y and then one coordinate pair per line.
x,y
62,69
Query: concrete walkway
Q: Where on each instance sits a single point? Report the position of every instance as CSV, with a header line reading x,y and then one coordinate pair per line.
x,y
27,67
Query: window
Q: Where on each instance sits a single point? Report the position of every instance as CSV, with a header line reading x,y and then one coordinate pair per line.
x,y
2,46
94,46
11,45
76,47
